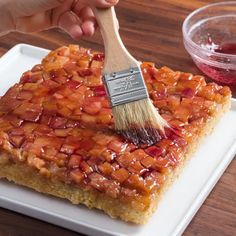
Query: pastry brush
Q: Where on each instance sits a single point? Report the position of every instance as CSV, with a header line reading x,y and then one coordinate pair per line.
x,y
134,114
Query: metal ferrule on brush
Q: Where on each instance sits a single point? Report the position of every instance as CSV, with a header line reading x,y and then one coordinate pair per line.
x,y
125,86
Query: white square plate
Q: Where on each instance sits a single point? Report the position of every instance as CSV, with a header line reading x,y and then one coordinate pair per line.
x,y
176,209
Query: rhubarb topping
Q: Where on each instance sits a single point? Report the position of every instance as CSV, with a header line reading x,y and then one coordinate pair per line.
x,y
59,118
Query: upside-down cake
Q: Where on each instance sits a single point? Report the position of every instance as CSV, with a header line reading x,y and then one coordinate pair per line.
x,y
57,136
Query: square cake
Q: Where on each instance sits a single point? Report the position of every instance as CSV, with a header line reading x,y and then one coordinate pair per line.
x,y
57,133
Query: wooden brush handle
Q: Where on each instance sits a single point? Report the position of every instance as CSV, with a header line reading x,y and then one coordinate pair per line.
x,y
117,56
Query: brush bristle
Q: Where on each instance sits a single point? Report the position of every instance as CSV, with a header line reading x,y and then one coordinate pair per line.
x,y
139,121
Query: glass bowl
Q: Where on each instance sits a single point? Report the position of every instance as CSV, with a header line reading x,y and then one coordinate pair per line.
x,y
210,38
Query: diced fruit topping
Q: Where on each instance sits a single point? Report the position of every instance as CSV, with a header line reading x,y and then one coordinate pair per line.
x,y
74,161
97,181
85,167
106,168
117,146
154,151
112,188
93,107
85,72
59,121
120,175
76,176
137,168
154,180
17,141
99,91
67,149
148,161
136,182
29,111
125,160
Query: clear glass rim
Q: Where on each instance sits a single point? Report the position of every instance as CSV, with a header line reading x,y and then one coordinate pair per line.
x,y
196,46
